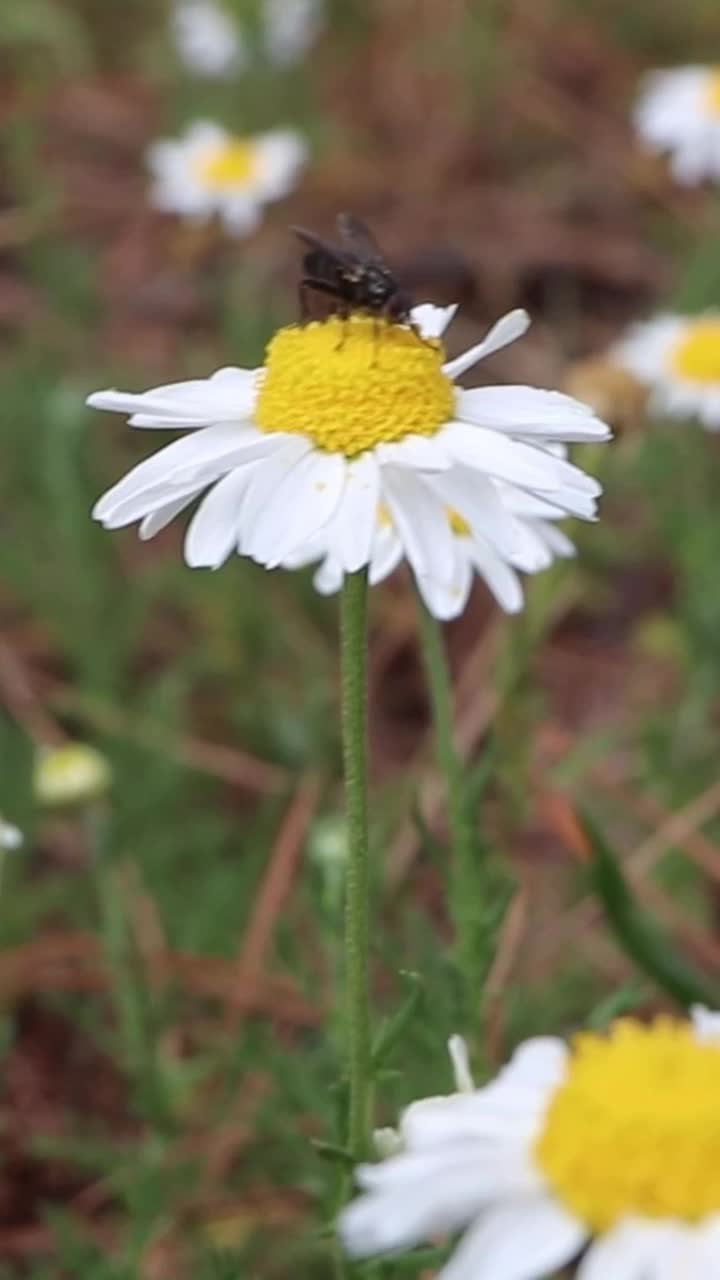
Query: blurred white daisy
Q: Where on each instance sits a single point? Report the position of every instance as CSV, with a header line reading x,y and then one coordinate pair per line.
x,y
678,112
516,531
290,28
210,171
678,358
208,40
613,1144
346,419
11,838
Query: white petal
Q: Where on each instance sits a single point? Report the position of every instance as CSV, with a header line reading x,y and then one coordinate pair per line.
x,y
302,502
387,553
419,453
706,1023
525,1240
329,577
280,154
148,502
506,330
421,524
185,461
162,516
355,523
447,600
500,578
213,531
628,1252
264,482
460,1058
418,1197
555,539
480,502
499,455
432,321
227,396
530,411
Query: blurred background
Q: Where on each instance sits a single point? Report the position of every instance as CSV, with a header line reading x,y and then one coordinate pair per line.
x,y
167,958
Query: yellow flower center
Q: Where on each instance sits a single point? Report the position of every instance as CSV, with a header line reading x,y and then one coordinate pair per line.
x,y
350,385
697,356
635,1128
231,165
713,93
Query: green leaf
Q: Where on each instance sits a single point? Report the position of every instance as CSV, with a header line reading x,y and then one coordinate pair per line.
x,y
392,1029
639,934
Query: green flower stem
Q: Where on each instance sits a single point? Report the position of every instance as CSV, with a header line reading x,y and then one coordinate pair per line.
x,y
353,618
464,886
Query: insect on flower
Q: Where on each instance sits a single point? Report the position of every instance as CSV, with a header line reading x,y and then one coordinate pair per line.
x,y
353,272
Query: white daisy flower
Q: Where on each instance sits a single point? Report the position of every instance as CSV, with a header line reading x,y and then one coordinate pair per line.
x,y
517,532
207,39
612,1147
73,774
349,417
290,28
678,111
678,358
210,171
11,838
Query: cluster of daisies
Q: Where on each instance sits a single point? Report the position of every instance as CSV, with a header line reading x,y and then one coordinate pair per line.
x,y
210,171
676,356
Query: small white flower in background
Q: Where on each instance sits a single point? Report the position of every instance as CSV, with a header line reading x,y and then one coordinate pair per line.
x,y
612,1144
210,171
678,112
208,40
73,774
349,419
11,838
678,358
290,28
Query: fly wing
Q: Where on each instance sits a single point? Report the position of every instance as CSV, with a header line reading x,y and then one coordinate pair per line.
x,y
358,238
324,261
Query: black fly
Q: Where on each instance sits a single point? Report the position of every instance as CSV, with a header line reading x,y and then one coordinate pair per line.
x,y
352,272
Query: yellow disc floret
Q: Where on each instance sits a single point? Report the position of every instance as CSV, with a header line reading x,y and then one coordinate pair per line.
x,y
231,165
713,93
350,385
635,1128
697,355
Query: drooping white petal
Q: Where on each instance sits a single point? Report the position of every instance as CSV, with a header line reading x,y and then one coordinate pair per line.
x,y
506,330
386,556
630,1251
432,321
421,524
355,523
507,459
522,1240
499,576
162,516
329,577
227,396
530,411
447,599
475,497
147,502
418,453
460,1059
706,1023
213,531
201,456
420,1197
303,503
